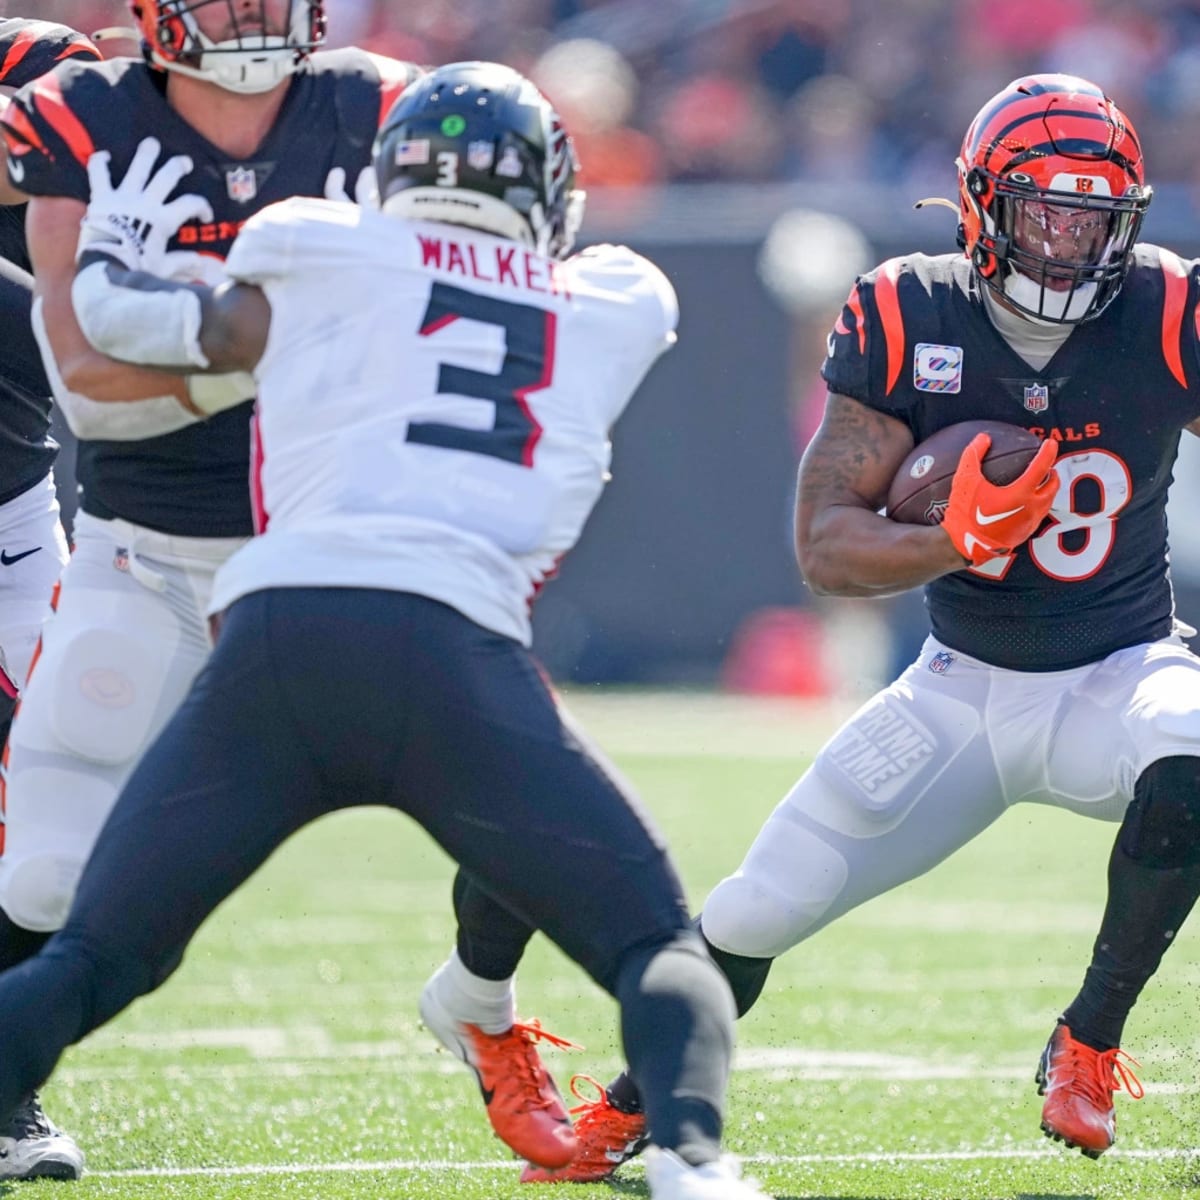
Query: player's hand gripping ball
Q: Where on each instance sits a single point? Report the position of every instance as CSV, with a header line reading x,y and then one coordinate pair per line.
x,y
990,485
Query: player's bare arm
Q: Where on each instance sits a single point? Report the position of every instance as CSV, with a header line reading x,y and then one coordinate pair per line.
x,y
844,547
52,228
1194,427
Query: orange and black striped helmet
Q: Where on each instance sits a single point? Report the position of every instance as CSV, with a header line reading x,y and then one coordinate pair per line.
x,y
1051,152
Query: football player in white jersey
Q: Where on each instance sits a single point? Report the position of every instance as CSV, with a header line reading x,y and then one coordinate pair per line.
x,y
437,383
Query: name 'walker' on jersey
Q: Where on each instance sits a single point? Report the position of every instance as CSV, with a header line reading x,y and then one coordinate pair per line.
x,y
475,398
192,482
914,341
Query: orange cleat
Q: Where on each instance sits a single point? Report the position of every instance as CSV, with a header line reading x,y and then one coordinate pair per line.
x,y
523,1102
1078,1083
607,1138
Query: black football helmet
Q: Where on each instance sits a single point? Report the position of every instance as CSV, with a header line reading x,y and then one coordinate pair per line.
x,y
253,58
477,144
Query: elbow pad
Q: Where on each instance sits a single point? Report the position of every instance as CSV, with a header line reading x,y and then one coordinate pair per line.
x,y
155,328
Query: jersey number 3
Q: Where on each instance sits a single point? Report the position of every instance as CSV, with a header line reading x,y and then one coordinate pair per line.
x,y
528,366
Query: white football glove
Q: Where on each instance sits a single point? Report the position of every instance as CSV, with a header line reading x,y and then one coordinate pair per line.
x,y
366,189
131,222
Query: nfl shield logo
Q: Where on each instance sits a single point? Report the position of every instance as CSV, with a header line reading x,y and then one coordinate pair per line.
x,y
1037,397
241,184
939,664
480,156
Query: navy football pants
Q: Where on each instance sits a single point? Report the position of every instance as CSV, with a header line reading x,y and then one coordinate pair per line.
x,y
320,699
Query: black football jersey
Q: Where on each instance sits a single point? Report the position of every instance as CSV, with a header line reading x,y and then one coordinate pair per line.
x,y
914,341
193,482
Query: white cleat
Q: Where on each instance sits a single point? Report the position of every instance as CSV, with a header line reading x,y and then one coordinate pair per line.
x,y
32,1147
671,1178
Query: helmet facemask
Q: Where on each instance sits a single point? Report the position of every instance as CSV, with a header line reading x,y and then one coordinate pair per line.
x,y
258,52
1056,256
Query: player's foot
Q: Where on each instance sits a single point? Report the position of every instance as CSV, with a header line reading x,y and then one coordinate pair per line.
x,y
1078,1083
670,1178
31,1147
607,1138
523,1102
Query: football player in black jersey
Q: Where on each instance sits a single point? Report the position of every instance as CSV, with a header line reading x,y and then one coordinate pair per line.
x,y
163,463
1055,673
33,547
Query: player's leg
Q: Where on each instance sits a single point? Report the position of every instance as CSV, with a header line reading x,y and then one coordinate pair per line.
x,y
115,661
1135,722
909,779
492,773
475,983
228,780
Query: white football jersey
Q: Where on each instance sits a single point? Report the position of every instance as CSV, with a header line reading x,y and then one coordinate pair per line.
x,y
434,404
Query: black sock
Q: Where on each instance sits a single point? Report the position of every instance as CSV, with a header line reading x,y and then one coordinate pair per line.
x,y
677,1025
17,943
1146,907
491,940
746,976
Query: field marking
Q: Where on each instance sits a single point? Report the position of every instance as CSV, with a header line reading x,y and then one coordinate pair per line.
x,y
320,1056
764,1160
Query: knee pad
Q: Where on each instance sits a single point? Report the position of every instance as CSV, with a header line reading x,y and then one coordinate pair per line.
x,y
37,892
1161,828
783,889
106,690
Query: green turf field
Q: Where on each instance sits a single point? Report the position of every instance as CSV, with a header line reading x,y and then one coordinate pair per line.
x,y
892,1056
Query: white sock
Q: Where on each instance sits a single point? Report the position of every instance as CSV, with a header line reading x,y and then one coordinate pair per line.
x,y
489,1003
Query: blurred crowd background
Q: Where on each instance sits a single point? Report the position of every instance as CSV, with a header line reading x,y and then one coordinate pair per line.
x,y
784,89
763,152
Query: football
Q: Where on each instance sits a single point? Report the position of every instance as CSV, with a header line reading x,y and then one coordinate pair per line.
x,y
920,490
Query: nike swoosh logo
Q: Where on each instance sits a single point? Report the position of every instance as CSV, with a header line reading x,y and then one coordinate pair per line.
x,y
16,169
7,559
982,519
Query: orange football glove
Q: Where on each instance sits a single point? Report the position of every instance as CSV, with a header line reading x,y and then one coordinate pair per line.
x,y
985,519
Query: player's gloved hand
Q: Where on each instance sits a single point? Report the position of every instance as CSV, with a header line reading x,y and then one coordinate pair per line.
x,y
366,189
985,519
131,222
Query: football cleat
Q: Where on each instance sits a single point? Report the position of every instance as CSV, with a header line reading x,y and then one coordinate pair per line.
x,y
33,1148
1078,1083
607,1138
670,1178
523,1102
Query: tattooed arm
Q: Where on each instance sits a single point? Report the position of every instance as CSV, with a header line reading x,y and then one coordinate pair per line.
x,y
844,547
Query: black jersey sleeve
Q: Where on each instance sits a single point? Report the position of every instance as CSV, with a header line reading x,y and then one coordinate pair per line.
x,y
47,130
865,348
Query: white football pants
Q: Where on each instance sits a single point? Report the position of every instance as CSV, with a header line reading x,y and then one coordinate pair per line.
x,y
931,761
118,656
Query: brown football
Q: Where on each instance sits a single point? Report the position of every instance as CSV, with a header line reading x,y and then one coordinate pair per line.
x,y
921,488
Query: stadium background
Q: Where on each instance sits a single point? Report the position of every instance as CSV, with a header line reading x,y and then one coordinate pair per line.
x,y
763,152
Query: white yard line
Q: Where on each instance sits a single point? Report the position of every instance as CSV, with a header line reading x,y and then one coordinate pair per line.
x,y
766,1160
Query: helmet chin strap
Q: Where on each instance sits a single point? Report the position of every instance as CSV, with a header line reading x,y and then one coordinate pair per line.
x,y
1055,307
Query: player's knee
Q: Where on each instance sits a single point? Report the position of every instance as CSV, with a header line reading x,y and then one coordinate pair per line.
x,y
1162,825
760,915
105,692
36,892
